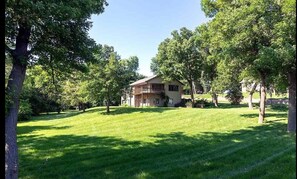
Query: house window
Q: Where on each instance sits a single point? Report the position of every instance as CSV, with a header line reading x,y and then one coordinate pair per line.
x,y
157,101
173,88
144,100
157,87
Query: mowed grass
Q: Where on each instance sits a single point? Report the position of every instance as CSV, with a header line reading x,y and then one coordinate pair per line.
x,y
221,142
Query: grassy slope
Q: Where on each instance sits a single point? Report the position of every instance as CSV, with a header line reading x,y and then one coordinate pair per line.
x,y
157,143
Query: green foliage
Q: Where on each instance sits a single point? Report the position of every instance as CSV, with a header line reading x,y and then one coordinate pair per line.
x,y
43,90
25,110
244,33
234,96
182,103
257,36
58,30
179,58
50,90
228,76
189,104
201,103
110,76
8,67
154,65
165,99
207,45
125,105
51,33
284,43
198,103
74,94
279,107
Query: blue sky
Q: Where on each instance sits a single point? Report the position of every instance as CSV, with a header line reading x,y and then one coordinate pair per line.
x,y
137,27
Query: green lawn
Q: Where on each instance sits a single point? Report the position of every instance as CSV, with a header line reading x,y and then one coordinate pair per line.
x,y
157,143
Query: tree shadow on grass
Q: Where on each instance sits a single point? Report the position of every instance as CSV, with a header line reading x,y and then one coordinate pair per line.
x,y
54,116
226,106
66,114
128,110
277,115
29,129
238,153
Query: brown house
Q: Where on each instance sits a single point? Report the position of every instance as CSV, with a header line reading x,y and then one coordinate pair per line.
x,y
149,92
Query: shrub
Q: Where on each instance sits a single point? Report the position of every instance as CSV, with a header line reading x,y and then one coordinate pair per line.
x,y
182,103
279,107
188,104
234,96
125,105
201,103
165,98
198,103
25,110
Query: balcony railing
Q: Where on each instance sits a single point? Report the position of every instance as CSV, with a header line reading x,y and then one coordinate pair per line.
x,y
140,90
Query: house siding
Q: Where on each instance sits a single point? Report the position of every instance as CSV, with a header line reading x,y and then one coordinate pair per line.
x,y
174,95
150,97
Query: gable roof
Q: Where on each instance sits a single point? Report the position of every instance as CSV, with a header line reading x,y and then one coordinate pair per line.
x,y
144,80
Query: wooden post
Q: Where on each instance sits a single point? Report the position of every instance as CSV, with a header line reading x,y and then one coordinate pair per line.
x,y
142,96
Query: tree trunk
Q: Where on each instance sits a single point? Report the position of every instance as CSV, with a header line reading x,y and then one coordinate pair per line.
x,y
59,109
13,90
191,92
292,102
262,99
79,106
250,98
107,102
83,107
215,99
107,106
194,87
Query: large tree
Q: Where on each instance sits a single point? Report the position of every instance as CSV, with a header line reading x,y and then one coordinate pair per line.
x,y
110,75
42,28
74,94
284,43
154,65
179,58
45,89
245,32
129,68
208,47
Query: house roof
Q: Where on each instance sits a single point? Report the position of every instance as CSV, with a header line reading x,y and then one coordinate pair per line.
x,y
144,80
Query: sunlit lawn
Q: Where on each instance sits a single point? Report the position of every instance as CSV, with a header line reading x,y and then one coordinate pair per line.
x,y
157,143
